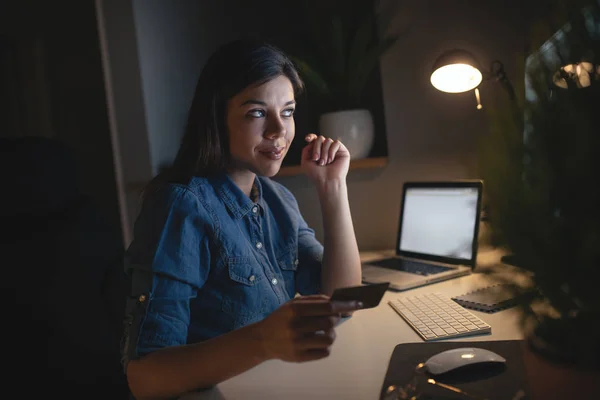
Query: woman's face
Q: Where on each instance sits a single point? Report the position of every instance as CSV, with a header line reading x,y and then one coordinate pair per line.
x,y
260,123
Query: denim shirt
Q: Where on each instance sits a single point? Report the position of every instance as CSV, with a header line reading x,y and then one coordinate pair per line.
x,y
216,260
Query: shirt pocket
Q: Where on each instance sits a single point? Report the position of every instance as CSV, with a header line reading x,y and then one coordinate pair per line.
x,y
287,260
243,299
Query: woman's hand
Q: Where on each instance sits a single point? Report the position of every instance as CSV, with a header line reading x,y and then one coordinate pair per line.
x,y
324,159
303,328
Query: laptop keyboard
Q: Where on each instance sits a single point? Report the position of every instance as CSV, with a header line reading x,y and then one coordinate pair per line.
x,y
435,316
413,267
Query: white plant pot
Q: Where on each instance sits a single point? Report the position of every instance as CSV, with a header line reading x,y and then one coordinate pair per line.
x,y
354,128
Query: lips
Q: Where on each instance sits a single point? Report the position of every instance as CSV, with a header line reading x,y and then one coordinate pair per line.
x,y
272,153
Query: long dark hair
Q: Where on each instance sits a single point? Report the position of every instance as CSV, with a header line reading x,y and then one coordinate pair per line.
x,y
204,148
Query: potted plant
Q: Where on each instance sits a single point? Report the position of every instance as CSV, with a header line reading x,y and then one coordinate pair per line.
x,y
542,179
336,61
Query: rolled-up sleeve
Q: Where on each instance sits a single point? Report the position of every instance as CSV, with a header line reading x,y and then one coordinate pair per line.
x,y
170,249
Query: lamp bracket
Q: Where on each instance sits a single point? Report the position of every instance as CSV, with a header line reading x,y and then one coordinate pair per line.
x,y
496,72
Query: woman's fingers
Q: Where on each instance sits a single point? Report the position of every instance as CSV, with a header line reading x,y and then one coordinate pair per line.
x,y
309,325
317,147
314,341
311,297
310,137
320,149
335,146
325,151
324,308
307,151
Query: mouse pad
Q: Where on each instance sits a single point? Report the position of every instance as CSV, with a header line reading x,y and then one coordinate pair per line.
x,y
484,381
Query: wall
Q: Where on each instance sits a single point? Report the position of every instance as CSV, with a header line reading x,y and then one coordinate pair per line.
x,y
174,40
431,135
126,113
153,51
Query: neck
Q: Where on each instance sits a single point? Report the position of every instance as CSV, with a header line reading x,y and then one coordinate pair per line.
x,y
243,179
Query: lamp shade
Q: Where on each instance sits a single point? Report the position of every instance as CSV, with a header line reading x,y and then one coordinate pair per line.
x,y
456,71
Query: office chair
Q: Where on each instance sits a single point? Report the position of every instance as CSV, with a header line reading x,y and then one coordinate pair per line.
x,y
63,284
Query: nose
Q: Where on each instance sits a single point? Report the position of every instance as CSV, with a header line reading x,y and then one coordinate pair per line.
x,y
275,128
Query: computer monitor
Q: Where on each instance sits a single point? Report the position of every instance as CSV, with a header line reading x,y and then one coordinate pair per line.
x,y
440,220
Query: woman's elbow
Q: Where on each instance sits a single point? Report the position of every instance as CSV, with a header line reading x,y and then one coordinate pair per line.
x,y
138,381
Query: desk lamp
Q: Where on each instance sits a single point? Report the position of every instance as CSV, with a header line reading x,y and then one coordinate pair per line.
x,y
457,71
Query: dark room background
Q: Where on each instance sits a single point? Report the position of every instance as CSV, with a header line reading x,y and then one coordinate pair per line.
x,y
114,79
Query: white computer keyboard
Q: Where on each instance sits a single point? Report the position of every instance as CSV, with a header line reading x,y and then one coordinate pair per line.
x,y
435,316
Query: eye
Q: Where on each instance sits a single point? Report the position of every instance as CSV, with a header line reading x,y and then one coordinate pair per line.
x,y
288,112
256,113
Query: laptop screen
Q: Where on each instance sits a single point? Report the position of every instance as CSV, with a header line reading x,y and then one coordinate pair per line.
x,y
440,221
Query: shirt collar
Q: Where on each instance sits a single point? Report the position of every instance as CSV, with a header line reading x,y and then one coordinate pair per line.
x,y
235,200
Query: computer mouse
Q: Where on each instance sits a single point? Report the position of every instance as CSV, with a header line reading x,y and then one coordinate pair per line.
x,y
451,360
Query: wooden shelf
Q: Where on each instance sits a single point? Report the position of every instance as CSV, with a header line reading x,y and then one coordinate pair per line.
x,y
363,163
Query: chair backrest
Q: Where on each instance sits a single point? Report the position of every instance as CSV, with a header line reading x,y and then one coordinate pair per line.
x,y
64,282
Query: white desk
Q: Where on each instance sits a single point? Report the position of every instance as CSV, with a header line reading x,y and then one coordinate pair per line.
x,y
359,358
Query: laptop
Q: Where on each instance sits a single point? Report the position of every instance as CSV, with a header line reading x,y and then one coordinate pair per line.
x,y
437,235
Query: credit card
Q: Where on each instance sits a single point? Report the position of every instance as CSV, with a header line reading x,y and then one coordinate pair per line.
x,y
369,295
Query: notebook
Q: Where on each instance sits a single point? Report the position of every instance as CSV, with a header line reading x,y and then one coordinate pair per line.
x,y
491,299
437,235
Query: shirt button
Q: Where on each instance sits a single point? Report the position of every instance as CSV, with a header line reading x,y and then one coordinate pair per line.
x,y
258,245
254,209
296,261
274,281
252,278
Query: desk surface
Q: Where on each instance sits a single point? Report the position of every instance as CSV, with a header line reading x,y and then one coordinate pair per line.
x,y
359,357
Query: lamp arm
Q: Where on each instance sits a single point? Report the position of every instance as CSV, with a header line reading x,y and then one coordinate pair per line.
x,y
498,74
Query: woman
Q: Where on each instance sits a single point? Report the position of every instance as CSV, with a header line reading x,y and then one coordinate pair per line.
x,y
220,251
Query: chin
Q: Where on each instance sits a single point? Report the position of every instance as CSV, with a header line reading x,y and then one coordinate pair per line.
x,y
268,171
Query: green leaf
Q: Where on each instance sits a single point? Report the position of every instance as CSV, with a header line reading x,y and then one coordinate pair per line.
x,y
534,184
370,61
343,50
311,76
337,50
363,37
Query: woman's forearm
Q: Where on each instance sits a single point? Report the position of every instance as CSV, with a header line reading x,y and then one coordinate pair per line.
x,y
341,260
172,371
